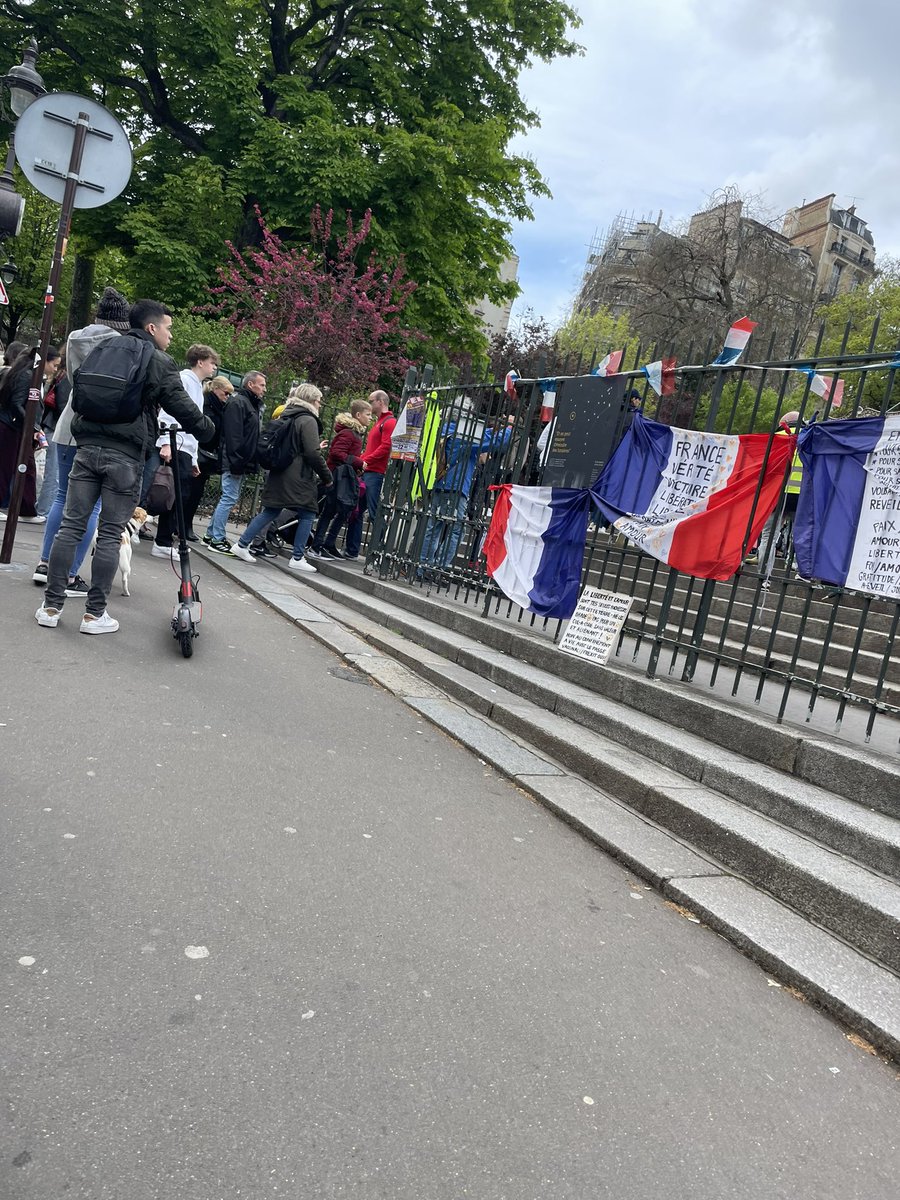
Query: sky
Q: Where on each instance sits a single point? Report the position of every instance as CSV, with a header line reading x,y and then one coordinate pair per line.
x,y
672,99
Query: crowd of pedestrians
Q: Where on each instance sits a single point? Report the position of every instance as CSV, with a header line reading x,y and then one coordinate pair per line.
x,y
98,454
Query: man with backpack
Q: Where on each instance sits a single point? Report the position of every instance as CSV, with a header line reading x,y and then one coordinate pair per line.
x,y
239,439
117,392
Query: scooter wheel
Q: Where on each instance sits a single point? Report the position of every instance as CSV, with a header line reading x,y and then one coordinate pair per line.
x,y
186,641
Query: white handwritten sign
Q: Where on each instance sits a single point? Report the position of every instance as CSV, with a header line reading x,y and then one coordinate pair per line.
x,y
875,562
595,625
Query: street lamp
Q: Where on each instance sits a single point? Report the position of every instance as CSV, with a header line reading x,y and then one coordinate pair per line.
x,y
9,271
24,85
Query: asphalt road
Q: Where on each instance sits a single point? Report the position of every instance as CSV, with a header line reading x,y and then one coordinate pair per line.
x,y
288,940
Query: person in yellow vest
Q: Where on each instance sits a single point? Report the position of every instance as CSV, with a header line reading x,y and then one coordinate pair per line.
x,y
786,510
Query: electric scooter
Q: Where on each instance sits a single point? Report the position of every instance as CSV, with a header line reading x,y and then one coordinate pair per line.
x,y
188,611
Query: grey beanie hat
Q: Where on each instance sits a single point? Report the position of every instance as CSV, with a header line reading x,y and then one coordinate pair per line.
x,y
113,310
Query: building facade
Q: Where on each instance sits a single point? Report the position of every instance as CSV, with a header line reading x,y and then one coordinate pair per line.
x,y
495,317
840,244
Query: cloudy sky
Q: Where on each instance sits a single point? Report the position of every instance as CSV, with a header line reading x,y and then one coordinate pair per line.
x,y
676,98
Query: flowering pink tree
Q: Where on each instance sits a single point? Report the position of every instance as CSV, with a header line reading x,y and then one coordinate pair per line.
x,y
329,317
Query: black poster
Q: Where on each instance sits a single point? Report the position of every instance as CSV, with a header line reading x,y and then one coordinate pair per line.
x,y
590,414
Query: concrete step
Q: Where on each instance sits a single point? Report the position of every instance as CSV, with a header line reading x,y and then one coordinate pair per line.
x,y
821,919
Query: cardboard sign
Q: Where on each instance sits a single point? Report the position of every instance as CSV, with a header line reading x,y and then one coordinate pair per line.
x,y
595,625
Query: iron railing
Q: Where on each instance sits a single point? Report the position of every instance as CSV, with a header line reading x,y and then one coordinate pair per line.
x,y
799,649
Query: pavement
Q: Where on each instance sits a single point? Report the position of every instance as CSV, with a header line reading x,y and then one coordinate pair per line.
x,y
268,932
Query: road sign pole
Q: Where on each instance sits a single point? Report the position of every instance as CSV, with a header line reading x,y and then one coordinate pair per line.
x,y
26,444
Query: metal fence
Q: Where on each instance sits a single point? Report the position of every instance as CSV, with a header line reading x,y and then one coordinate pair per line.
x,y
800,649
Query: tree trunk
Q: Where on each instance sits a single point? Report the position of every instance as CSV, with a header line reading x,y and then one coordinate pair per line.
x,y
82,293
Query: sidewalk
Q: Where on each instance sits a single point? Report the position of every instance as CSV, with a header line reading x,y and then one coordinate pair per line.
x,y
272,933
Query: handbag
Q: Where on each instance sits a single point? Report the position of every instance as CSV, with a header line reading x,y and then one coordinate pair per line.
x,y
161,492
346,487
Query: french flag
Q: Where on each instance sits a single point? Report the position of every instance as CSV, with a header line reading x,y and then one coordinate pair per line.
x,y
689,498
609,365
827,387
509,385
847,526
535,546
662,376
736,340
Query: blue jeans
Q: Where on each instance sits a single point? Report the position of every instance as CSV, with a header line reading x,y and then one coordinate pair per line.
x,y
114,479
47,494
305,518
374,483
231,491
442,538
65,456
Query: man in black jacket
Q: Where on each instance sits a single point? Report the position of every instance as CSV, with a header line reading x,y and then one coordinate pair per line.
x,y
109,464
240,435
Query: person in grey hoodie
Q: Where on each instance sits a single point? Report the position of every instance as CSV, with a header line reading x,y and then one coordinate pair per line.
x,y
111,321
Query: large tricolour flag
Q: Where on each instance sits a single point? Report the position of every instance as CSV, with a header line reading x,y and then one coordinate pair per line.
x,y
736,340
847,527
535,546
689,498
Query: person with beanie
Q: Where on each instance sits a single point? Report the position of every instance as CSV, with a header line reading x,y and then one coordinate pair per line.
x,y
110,321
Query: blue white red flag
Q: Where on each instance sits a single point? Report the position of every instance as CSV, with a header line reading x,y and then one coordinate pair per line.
x,y
535,546
609,365
736,340
510,385
847,527
827,387
662,376
687,498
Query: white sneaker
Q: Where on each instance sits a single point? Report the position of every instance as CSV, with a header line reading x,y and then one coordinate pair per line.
x,y
300,564
48,617
163,552
242,552
104,624
33,520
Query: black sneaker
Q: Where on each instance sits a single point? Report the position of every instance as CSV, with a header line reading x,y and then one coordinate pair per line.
x,y
222,547
330,552
263,551
40,574
206,539
77,587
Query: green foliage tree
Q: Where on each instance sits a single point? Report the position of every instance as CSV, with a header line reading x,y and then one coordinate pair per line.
x,y
403,107
861,321
587,336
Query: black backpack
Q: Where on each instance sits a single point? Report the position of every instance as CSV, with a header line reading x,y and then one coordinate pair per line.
x,y
108,386
273,451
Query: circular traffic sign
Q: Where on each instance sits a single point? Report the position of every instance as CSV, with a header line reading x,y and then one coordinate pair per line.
x,y
44,136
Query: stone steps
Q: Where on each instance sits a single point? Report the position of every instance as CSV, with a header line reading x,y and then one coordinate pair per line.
x,y
807,832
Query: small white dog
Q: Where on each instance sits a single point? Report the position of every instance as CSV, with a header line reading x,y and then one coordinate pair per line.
x,y
129,539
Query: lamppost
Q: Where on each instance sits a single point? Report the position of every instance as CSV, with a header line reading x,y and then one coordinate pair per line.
x,y
24,85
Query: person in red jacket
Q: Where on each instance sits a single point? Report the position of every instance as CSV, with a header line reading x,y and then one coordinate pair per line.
x,y
377,453
345,451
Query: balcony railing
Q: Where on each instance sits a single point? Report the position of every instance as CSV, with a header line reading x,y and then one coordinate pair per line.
x,y
857,257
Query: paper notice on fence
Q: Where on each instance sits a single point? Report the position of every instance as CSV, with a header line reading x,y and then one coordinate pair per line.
x,y
595,625
408,431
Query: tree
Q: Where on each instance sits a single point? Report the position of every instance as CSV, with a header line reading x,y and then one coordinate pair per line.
x,y
688,284
403,107
585,337
319,312
528,346
859,322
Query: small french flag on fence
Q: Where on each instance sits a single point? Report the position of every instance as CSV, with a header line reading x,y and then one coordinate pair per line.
x,y
535,546
662,376
610,364
510,385
735,342
827,387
